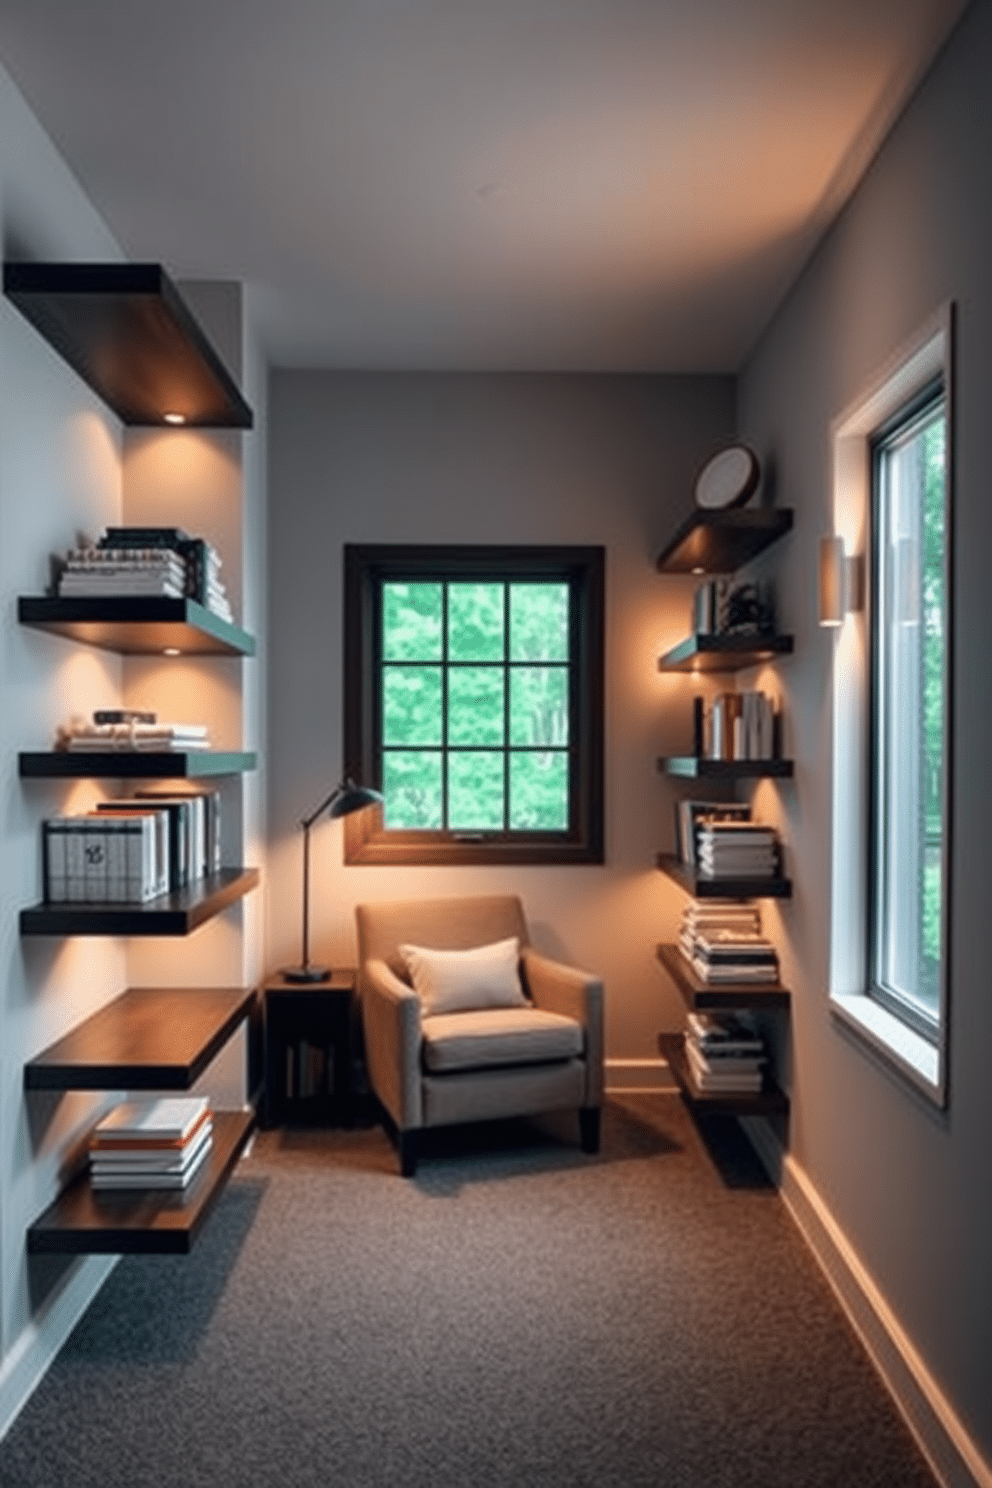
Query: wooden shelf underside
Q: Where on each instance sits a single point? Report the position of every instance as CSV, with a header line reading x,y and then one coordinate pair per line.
x,y
178,913
768,1101
136,764
724,653
720,542
127,332
705,996
722,888
137,625
694,767
141,1221
149,1038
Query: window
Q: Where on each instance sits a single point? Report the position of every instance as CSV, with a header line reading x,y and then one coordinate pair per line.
x,y
890,890
474,702
909,742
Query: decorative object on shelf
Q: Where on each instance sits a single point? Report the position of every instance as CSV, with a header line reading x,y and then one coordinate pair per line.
x,y
345,798
729,479
841,582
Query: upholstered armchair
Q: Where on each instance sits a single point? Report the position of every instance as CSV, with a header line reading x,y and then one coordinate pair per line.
x,y
462,1025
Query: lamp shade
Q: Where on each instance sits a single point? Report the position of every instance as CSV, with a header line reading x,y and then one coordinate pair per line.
x,y
354,797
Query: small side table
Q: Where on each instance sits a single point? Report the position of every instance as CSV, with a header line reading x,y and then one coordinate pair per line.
x,y
308,1050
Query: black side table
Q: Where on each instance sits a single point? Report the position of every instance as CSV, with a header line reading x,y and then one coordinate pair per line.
x,y
308,1050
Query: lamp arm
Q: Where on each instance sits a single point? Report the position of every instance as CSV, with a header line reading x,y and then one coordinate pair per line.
x,y
307,822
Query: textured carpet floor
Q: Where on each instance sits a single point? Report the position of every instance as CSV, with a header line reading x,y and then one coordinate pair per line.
x,y
517,1315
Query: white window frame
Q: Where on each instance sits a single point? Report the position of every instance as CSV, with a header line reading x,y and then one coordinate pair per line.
x,y
927,357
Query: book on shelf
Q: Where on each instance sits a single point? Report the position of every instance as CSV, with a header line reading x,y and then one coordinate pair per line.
x,y
200,560
727,1033
691,816
158,1143
744,1080
737,849
105,859
740,726
124,715
80,737
200,808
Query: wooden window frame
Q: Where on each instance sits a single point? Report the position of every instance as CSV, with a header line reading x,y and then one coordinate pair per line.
x,y
366,568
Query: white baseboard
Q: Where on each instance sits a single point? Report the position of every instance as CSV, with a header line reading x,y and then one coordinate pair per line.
x,y
939,1433
637,1076
24,1366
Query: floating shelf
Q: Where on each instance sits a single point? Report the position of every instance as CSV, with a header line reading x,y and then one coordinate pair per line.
x,y
720,542
125,329
173,914
141,1221
723,653
704,995
136,764
699,887
139,625
149,1038
693,767
769,1100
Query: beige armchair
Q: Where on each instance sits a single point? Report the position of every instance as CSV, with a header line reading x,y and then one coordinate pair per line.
x,y
432,1068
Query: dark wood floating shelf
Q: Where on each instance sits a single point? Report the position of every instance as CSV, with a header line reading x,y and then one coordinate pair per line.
x,y
136,764
149,1038
692,767
141,1221
720,542
125,329
705,996
722,888
769,1100
139,625
723,653
173,914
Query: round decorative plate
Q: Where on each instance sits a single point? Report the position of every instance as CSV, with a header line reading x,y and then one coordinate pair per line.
x,y
730,478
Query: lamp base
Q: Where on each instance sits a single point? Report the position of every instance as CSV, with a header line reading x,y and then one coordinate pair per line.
x,y
303,974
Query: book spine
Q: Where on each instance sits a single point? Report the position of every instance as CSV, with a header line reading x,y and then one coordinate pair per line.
x,y
55,880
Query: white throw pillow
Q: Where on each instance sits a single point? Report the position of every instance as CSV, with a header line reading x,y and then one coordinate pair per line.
x,y
458,981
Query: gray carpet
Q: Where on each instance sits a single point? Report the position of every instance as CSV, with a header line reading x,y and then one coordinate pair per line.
x,y
517,1315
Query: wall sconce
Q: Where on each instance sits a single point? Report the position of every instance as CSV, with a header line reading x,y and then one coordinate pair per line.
x,y
841,582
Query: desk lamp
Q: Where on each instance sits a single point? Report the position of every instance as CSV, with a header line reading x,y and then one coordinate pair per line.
x,y
345,798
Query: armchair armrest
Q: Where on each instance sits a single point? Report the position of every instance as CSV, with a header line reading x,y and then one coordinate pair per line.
x,y
391,1022
576,994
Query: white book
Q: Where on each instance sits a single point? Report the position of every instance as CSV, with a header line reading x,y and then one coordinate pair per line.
x,y
157,1118
152,1179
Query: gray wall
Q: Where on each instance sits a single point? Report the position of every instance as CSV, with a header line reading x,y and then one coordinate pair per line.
x,y
908,1187
399,458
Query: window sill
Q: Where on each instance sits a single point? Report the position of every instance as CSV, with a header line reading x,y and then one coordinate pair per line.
x,y
911,1054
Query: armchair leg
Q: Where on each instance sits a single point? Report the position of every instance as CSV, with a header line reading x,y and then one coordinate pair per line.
x,y
406,1142
589,1128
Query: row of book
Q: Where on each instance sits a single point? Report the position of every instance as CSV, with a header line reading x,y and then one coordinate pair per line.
x,y
128,729
164,561
162,1142
309,1070
740,726
132,850
723,943
724,1054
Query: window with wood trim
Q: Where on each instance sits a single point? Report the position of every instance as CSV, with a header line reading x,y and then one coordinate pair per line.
x,y
474,703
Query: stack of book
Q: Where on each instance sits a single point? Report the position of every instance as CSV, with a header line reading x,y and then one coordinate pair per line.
x,y
130,728
724,1054
158,1143
200,560
736,849
724,944
692,816
123,571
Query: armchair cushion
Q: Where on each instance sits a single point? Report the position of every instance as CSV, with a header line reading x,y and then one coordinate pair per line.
x,y
496,1037
456,981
